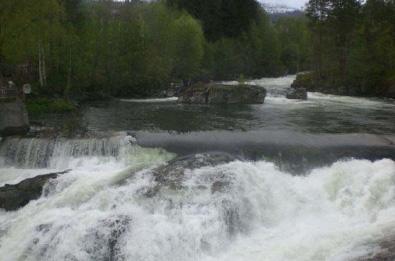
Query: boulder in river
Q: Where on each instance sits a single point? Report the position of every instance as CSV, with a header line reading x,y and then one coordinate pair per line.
x,y
296,94
13,118
16,196
305,80
172,174
215,93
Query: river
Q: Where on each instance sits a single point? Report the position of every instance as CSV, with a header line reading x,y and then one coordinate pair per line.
x,y
287,180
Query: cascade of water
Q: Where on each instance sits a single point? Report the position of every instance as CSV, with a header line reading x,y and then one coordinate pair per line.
x,y
232,211
57,153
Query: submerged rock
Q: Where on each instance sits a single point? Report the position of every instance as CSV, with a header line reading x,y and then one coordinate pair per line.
x,y
179,178
384,250
172,174
296,94
223,94
16,196
13,118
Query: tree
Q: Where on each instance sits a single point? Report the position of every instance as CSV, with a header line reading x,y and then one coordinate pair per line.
x,y
32,29
221,18
355,51
189,47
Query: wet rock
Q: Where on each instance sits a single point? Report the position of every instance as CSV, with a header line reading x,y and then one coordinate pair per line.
x,y
306,81
13,118
296,94
172,175
222,94
219,186
104,242
13,197
385,251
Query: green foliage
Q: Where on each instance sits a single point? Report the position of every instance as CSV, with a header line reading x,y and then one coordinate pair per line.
x,y
75,48
45,105
294,37
188,47
353,44
27,24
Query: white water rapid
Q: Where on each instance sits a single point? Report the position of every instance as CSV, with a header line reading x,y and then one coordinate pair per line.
x,y
111,207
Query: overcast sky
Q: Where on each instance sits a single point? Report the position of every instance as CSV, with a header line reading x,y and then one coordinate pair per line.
x,y
291,3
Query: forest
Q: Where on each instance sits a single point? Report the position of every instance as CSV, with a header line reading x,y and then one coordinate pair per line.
x,y
70,48
353,46
66,48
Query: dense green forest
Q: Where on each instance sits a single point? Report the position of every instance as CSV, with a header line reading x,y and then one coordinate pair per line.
x,y
353,46
66,48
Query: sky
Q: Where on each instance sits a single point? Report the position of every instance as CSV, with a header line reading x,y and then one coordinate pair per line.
x,y
291,3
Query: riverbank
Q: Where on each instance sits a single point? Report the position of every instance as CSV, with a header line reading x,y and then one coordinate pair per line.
x,y
311,83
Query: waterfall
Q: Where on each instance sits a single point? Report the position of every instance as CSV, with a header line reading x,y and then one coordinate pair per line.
x,y
57,153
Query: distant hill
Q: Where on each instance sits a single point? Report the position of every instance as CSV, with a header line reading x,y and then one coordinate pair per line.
x,y
277,10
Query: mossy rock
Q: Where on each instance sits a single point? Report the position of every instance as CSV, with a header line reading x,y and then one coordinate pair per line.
x,y
305,81
223,94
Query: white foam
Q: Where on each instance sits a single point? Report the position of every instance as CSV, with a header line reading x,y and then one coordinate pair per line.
x,y
170,99
262,213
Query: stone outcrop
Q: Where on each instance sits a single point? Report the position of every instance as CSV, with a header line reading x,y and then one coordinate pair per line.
x,y
296,94
13,197
222,94
171,176
13,118
305,81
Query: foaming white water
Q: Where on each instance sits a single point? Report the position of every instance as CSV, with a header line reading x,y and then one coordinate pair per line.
x,y
236,211
276,87
22,158
62,153
279,82
170,99
324,216
348,101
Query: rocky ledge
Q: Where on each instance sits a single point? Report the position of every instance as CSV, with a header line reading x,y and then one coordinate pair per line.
x,y
215,93
16,196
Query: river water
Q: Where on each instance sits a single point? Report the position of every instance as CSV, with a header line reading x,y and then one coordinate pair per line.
x,y
301,180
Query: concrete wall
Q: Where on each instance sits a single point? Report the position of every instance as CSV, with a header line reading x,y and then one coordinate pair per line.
x,y
13,118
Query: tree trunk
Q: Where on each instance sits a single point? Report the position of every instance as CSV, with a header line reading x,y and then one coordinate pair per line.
x,y
44,69
40,73
68,85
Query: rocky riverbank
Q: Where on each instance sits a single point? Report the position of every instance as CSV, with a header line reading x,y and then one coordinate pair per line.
x,y
310,82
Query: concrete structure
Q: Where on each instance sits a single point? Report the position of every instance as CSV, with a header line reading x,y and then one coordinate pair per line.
x,y
13,114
